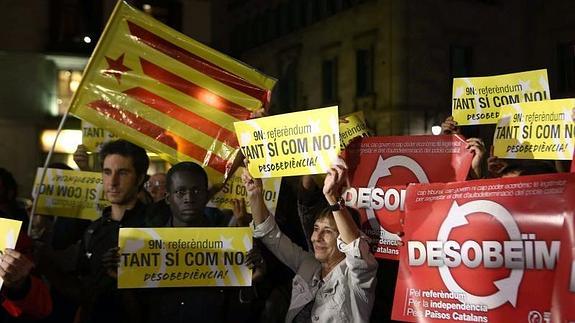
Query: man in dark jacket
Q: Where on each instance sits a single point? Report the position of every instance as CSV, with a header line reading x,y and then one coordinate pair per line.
x,y
124,167
187,196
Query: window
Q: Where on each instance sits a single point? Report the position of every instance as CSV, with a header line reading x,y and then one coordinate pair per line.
x,y
329,80
278,22
566,68
301,12
364,71
68,82
330,7
284,18
252,35
260,28
240,37
71,21
169,12
291,16
288,86
345,4
315,11
269,25
236,40
460,61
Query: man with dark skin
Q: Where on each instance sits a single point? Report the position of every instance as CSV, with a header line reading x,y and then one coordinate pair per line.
x,y
187,196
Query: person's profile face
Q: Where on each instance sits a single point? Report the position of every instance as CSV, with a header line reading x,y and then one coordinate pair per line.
x,y
187,197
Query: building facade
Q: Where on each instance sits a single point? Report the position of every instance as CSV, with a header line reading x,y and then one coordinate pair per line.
x,y
395,59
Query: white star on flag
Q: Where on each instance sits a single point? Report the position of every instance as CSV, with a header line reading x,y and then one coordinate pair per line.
x,y
544,84
314,126
458,92
133,245
245,138
227,243
525,85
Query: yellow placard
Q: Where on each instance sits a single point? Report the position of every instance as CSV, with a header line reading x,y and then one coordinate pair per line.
x,y
184,257
536,130
235,189
94,137
478,100
70,193
9,231
298,143
352,126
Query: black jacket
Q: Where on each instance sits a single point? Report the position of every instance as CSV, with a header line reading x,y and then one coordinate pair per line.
x,y
102,301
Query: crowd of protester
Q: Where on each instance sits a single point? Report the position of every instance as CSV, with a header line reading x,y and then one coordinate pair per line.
x,y
310,260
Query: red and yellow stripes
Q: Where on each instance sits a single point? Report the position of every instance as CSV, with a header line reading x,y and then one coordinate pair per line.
x,y
196,62
168,93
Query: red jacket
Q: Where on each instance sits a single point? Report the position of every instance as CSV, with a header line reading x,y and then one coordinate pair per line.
x,y
36,303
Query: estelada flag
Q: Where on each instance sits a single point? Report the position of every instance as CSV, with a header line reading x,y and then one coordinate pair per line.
x,y
168,93
380,168
562,309
482,251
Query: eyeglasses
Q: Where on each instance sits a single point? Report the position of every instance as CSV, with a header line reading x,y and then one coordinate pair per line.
x,y
152,184
191,191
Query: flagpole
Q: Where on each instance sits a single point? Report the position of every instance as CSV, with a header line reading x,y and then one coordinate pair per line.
x,y
49,157
44,170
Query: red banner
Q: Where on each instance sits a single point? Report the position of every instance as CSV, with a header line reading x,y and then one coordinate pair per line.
x,y
382,167
482,251
562,309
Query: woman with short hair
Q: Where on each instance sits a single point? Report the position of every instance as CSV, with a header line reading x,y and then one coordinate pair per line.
x,y
335,283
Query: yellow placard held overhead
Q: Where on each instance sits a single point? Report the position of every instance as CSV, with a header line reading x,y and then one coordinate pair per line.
x,y
352,126
184,257
298,143
9,231
536,130
70,193
156,87
478,100
234,189
94,137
